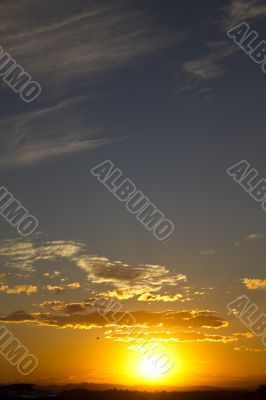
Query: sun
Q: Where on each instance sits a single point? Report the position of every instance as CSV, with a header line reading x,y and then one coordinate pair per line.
x,y
149,369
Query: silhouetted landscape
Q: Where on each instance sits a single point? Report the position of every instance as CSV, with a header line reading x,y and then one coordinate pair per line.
x,y
27,391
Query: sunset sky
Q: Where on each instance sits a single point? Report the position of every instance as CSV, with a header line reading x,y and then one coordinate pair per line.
x,y
160,90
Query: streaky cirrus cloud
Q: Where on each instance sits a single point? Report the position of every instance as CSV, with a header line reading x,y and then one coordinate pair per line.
x,y
76,45
242,10
64,51
212,64
50,131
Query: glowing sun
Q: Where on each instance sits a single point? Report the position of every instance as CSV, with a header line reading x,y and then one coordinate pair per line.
x,y
149,369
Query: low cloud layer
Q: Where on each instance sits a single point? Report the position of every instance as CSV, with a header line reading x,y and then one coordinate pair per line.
x,y
165,319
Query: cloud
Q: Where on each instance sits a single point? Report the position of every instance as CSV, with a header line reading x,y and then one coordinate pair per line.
x,y
128,281
178,337
69,308
135,277
54,288
73,285
254,284
65,49
255,236
69,44
122,293
52,275
164,319
208,252
51,303
251,349
28,289
47,132
22,254
151,297
242,10
18,317
212,64
142,293
206,67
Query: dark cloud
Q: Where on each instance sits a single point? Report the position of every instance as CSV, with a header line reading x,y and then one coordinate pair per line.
x,y
166,319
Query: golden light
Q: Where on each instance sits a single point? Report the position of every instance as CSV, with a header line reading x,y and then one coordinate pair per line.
x,y
149,369
159,368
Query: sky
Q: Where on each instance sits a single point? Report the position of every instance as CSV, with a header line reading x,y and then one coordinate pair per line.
x,y
160,90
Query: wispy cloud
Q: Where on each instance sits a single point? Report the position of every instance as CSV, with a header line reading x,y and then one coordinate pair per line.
x,y
212,64
47,132
22,255
255,236
64,51
60,48
208,252
242,10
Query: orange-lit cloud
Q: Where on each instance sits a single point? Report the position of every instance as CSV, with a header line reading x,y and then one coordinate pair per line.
x,y
183,336
150,297
68,308
18,289
167,319
254,284
73,285
23,254
51,275
132,278
117,273
54,288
